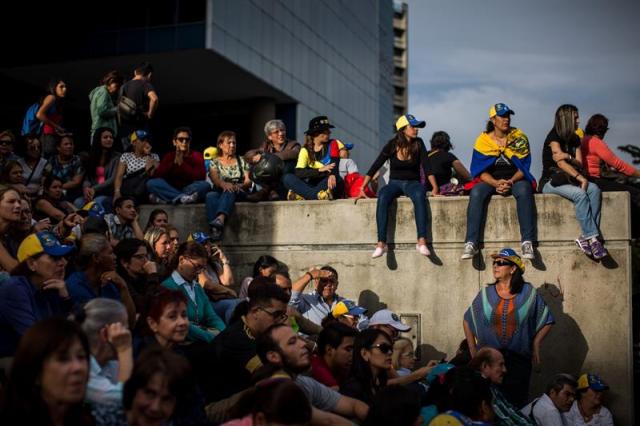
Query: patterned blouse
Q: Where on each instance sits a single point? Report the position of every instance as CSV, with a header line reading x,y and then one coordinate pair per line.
x,y
230,173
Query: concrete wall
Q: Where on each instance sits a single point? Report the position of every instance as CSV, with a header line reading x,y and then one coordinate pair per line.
x,y
590,300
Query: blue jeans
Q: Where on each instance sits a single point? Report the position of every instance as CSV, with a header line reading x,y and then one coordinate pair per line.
x,y
222,202
103,200
395,188
309,192
477,210
166,192
225,307
586,203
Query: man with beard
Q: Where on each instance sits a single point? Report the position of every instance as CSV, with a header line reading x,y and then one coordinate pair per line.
x,y
284,353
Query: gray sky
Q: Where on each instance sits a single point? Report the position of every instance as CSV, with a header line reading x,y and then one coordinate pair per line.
x,y
465,55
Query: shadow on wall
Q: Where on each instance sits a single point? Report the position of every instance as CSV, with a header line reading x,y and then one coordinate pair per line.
x,y
371,301
565,347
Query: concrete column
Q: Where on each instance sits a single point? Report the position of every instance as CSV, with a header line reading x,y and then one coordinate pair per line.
x,y
263,110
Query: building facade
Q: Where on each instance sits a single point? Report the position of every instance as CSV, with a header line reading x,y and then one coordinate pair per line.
x,y
400,57
232,65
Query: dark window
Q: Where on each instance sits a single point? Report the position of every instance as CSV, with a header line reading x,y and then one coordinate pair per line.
x,y
162,12
192,11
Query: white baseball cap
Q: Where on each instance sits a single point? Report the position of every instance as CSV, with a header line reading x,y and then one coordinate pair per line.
x,y
386,317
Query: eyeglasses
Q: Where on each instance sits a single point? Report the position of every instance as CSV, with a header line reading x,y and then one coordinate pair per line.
x,y
183,139
502,263
196,267
5,142
385,348
276,315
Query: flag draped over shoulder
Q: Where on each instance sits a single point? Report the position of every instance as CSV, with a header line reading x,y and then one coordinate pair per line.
x,y
486,151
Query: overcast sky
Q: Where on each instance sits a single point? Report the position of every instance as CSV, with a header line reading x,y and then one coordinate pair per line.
x,y
465,55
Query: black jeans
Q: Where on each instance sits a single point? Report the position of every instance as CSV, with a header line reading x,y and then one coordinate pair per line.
x,y
515,385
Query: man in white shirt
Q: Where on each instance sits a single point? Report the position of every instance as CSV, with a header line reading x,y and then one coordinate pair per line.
x,y
558,398
588,410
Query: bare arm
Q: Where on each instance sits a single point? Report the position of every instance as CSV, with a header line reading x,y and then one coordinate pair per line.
x,y
565,164
41,114
351,407
47,208
153,104
7,261
117,183
73,183
471,339
434,185
226,277
324,418
300,284
461,171
538,340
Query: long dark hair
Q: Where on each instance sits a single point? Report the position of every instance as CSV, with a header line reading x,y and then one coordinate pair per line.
x,y
22,400
360,369
517,280
565,121
263,262
95,154
401,142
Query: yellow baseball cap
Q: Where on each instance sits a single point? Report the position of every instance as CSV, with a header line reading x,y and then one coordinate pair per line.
x,y
408,119
210,152
42,242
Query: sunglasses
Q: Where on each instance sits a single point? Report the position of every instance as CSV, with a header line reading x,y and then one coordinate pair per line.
x,y
502,263
183,139
385,348
4,142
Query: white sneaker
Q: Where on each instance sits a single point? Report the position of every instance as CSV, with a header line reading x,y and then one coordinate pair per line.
x,y
189,199
527,250
423,250
470,250
379,251
154,199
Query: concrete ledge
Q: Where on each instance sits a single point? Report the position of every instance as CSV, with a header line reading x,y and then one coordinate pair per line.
x,y
591,301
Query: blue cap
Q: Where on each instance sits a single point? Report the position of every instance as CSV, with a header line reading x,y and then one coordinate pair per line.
x,y
510,255
501,110
199,237
94,209
141,135
42,242
409,119
348,146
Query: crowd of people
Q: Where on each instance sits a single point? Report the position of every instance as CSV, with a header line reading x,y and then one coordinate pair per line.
x,y
106,321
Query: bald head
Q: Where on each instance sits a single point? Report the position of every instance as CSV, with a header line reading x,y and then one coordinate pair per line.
x,y
490,363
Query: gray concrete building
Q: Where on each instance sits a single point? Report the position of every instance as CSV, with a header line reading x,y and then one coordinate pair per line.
x,y
400,58
223,64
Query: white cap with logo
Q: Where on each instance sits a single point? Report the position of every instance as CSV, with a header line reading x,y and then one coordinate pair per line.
x,y
386,317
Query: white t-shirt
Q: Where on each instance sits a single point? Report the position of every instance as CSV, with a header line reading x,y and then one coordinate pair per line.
x,y
545,412
574,418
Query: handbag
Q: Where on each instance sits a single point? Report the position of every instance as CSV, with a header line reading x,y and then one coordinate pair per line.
x,y
135,185
559,177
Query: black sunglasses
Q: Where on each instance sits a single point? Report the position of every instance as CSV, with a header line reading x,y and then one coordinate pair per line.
x,y
385,348
5,142
502,263
183,139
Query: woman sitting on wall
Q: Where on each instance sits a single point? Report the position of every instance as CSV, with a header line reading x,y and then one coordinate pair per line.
x,y
562,175
500,165
595,152
316,175
408,158
443,163
230,175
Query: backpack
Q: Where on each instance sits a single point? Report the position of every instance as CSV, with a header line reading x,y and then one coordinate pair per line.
x,y
31,125
127,107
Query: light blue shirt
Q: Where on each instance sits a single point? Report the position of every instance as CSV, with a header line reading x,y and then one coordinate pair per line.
x,y
312,306
103,386
188,286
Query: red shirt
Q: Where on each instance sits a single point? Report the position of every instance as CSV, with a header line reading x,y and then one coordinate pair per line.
x,y
179,176
321,372
594,150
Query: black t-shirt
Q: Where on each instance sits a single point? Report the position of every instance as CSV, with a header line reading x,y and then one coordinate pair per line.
x,y
233,363
441,164
568,146
402,169
138,91
503,168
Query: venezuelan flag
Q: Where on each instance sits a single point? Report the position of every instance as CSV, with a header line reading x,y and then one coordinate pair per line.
x,y
486,151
